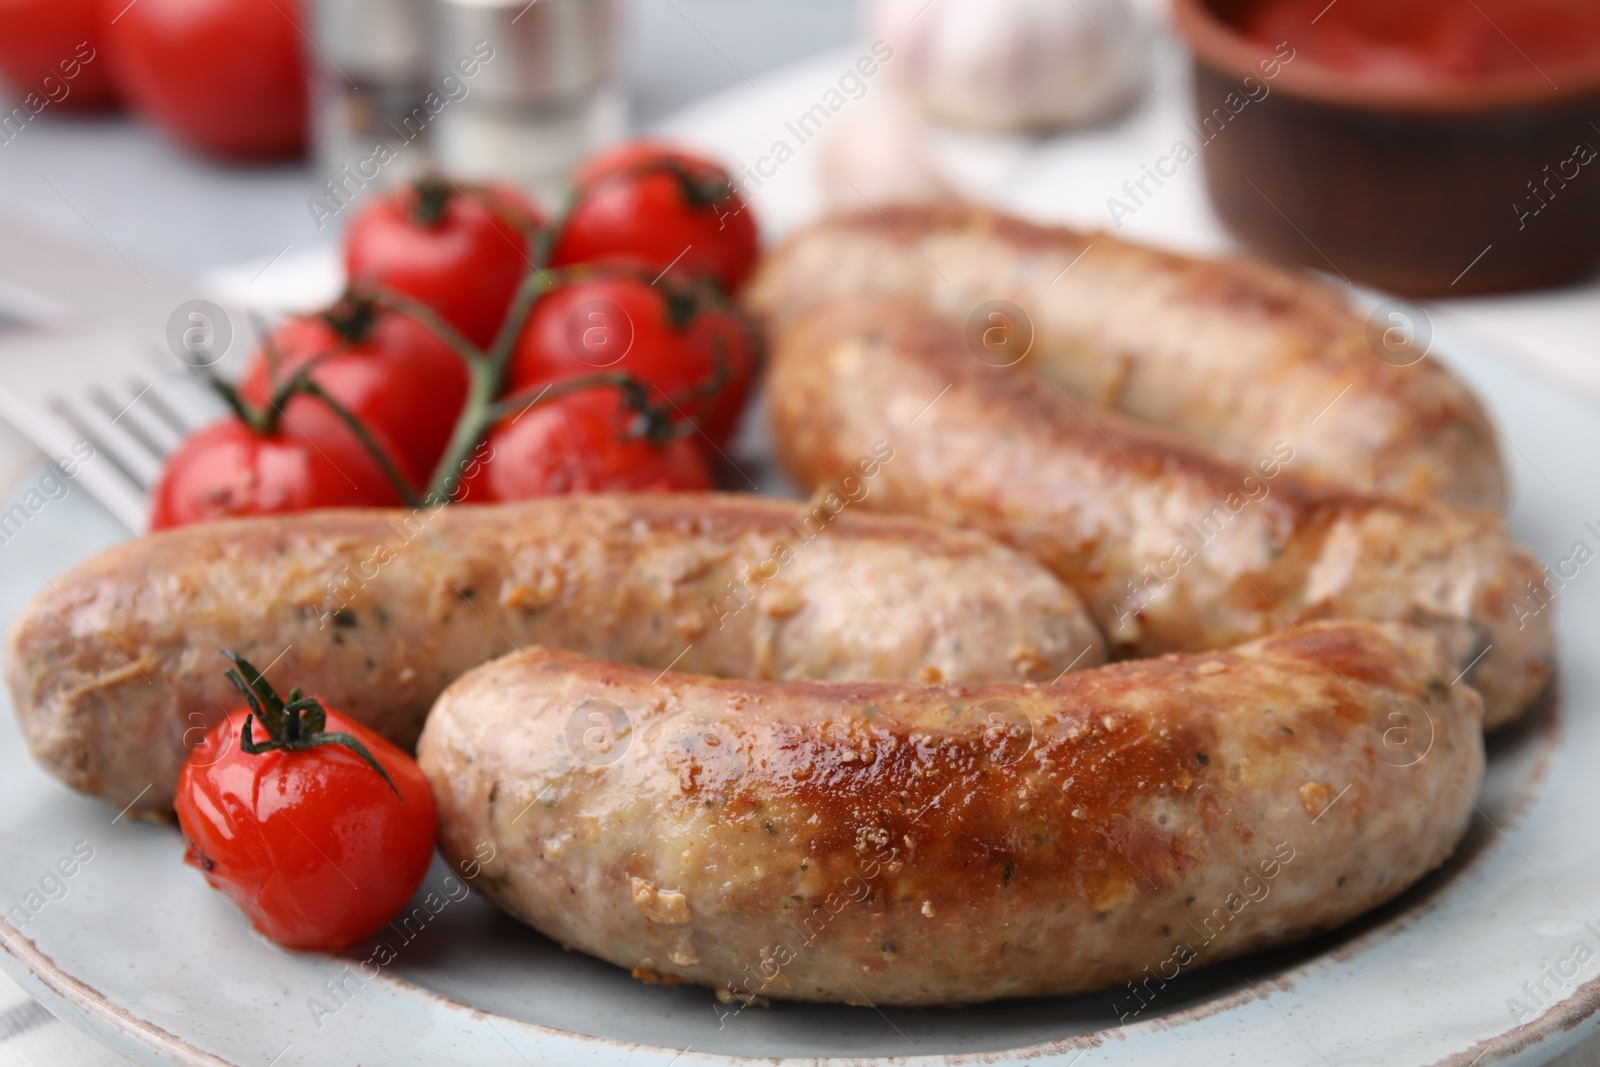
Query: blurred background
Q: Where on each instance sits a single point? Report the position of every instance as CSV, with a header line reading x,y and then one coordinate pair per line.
x,y
161,204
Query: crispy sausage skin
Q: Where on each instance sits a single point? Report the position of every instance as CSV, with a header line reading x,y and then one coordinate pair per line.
x,y
115,670
914,844
1172,550
1233,354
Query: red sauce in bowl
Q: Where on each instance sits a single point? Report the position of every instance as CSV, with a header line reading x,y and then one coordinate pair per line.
x,y
1433,41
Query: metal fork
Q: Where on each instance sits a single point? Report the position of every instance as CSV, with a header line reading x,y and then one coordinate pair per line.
x,y
105,406
84,361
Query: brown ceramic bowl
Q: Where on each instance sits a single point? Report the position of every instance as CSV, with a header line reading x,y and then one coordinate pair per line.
x,y
1422,190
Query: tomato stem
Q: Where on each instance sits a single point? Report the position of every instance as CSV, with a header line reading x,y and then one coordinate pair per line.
x,y
264,420
428,319
433,196
630,386
291,727
698,191
352,316
696,395
256,419
303,383
487,373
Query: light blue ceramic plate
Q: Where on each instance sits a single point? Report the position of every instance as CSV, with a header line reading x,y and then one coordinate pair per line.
x,y
134,947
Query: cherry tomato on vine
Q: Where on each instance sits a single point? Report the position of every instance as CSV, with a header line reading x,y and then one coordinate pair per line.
x,y
581,443
460,249
229,469
651,205
665,336
224,77
384,367
56,50
320,834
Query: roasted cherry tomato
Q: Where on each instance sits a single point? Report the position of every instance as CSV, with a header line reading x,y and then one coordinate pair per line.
x,y
648,204
462,250
224,77
666,336
580,443
317,828
384,367
54,49
310,460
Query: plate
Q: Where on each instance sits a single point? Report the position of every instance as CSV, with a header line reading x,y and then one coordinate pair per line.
x,y
1493,959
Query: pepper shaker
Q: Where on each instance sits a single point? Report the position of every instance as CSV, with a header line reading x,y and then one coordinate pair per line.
x,y
544,96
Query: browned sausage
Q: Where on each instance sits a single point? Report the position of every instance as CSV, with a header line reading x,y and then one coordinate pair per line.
x,y
1232,354
915,844
115,672
1170,548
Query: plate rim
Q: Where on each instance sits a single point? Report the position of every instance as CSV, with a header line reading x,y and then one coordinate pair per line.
x,y
1579,1011
74,992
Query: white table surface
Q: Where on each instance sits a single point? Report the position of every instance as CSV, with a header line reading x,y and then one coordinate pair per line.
x,y
116,189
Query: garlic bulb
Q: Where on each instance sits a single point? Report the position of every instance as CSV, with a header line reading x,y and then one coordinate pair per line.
x,y
880,154
1013,64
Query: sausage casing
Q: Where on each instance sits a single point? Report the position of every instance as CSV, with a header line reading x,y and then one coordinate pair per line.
x,y
1233,354
1172,549
115,671
912,844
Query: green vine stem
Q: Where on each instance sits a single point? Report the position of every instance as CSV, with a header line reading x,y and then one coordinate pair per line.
x,y
291,727
265,420
425,316
303,383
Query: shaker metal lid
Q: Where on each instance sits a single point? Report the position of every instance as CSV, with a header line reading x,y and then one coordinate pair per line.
x,y
373,40
543,49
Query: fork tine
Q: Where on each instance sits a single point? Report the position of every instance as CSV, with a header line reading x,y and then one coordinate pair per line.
x,y
120,447
66,387
104,476
181,404
127,410
139,417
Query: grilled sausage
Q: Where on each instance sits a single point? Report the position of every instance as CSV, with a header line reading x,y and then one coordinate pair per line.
x,y
1171,549
1232,354
115,670
911,844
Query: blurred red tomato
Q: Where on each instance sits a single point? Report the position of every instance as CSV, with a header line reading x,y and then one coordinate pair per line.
x,y
580,444
224,77
385,368
648,204
460,249
55,49
228,470
665,337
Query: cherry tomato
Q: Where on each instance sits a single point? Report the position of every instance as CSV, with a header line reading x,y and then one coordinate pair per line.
x,y
462,250
228,469
648,204
314,844
55,49
663,336
580,444
385,368
224,77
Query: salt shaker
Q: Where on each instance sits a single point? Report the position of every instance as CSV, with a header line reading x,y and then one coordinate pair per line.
x,y
544,94
371,67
